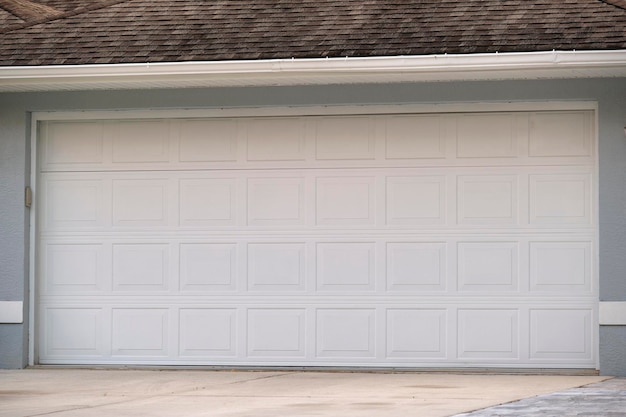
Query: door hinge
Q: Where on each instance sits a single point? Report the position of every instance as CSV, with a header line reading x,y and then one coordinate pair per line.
x,y
28,197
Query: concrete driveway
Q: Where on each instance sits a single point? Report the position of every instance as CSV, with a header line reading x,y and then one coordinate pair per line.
x,y
190,393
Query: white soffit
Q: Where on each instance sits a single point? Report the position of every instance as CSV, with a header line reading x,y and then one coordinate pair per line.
x,y
428,68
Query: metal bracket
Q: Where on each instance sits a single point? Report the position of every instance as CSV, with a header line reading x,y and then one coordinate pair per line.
x,y
28,197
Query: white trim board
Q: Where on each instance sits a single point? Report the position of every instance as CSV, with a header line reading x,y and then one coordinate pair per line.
x,y
612,313
372,110
11,312
351,110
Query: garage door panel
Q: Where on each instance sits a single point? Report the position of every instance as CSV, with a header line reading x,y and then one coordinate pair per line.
x,y
560,199
346,201
400,199
416,266
561,335
73,204
208,267
373,240
323,332
140,203
463,139
561,267
208,332
487,199
74,333
411,137
208,202
72,143
75,268
456,264
473,140
141,267
140,141
560,134
491,334
208,141
265,141
276,333
416,200
140,332
346,266
277,267
346,333
345,138
418,334
490,267
276,201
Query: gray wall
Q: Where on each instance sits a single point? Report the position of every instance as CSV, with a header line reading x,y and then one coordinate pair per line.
x,y
14,175
609,93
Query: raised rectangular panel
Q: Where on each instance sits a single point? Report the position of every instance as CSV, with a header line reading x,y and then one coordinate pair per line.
x,y
140,332
73,143
345,201
208,141
486,136
73,204
416,266
276,139
416,333
489,266
345,266
276,266
416,200
560,199
208,266
559,134
140,267
560,334
414,137
276,332
344,138
564,267
487,199
275,201
140,203
141,142
73,267
208,332
488,333
347,333
73,332
208,202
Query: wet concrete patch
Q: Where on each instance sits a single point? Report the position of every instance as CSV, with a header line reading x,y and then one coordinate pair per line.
x,y
605,399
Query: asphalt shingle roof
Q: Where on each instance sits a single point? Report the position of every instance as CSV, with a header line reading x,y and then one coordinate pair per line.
x,y
137,31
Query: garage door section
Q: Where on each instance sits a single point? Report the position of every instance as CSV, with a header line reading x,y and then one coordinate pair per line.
x,y
404,240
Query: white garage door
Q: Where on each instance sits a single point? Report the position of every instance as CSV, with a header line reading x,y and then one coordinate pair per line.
x,y
406,240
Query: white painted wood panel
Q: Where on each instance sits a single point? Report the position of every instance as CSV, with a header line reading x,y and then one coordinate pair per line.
x,y
461,239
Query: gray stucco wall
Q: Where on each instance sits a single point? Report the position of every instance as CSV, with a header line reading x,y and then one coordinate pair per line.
x,y
609,93
14,175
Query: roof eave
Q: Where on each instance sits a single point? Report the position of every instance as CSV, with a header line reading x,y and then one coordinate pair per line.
x,y
423,68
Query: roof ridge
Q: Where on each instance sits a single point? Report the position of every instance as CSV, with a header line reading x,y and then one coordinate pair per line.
x,y
59,15
620,4
29,10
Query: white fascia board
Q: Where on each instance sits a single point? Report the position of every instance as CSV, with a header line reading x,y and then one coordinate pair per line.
x,y
505,66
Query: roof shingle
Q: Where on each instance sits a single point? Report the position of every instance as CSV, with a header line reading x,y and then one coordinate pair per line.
x,y
137,31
